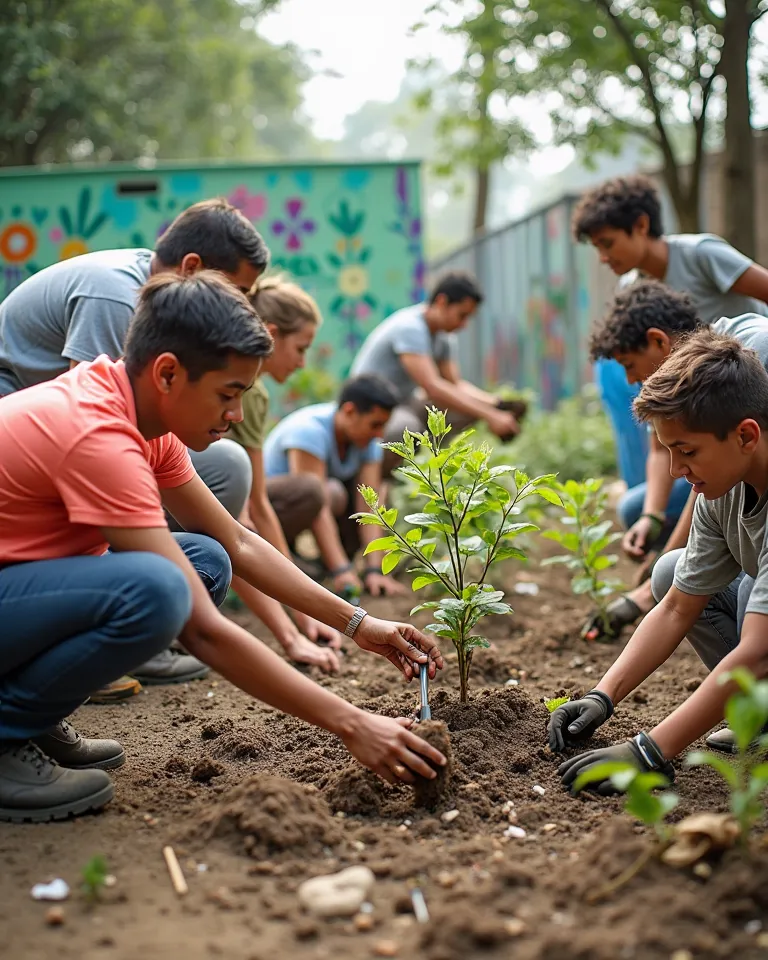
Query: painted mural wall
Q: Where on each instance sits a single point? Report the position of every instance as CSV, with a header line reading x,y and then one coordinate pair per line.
x,y
541,295
349,234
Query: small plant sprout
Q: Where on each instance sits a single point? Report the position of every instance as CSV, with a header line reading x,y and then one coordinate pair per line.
x,y
747,714
555,702
94,876
459,487
585,505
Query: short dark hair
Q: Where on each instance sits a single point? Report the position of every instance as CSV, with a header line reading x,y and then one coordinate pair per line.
x,y
367,391
202,319
637,308
618,203
456,286
710,383
216,231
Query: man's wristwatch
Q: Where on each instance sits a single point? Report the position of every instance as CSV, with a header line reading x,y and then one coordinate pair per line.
x,y
355,620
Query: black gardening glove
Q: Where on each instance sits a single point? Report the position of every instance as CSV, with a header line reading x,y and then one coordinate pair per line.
x,y
578,719
619,613
641,752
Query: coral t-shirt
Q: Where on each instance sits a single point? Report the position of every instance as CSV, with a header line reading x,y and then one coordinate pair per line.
x,y
72,460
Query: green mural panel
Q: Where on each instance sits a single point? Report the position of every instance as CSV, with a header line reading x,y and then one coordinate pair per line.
x,y
349,234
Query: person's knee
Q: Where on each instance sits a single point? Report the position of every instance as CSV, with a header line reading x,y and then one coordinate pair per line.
x,y
663,574
214,567
630,506
311,491
337,497
159,600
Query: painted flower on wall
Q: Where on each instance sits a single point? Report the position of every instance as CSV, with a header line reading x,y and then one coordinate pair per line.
x,y
18,242
294,226
78,228
251,205
353,281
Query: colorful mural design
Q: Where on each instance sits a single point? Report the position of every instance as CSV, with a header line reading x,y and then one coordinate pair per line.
x,y
349,233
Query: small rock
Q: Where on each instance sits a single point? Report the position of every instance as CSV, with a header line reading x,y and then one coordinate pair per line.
x,y
340,814
523,674
363,922
753,926
447,880
538,790
57,889
386,948
589,670
517,832
692,684
527,589
512,682
358,845
223,898
703,870
402,828
407,823
338,894
497,856
449,816
514,927
681,955
549,827
54,916
577,662
507,806
110,880
366,907
202,867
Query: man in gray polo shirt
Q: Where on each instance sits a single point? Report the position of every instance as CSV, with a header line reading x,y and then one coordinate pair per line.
x,y
417,351
78,309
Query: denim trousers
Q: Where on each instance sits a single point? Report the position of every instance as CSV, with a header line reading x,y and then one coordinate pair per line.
x,y
631,437
630,506
72,625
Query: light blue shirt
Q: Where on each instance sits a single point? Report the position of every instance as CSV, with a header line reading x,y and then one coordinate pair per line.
x,y
311,429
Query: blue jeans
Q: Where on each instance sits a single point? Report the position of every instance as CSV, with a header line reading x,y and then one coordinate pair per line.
x,y
630,507
631,437
72,625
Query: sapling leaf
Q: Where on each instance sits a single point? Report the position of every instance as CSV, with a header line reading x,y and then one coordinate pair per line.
x,y
509,553
390,561
440,629
427,605
368,518
600,772
424,581
546,493
381,543
556,702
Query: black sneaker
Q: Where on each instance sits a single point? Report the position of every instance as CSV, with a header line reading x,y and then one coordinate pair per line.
x,y
170,666
65,746
34,789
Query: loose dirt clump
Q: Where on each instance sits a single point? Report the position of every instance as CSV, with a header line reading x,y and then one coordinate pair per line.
x,y
429,793
266,816
205,770
355,791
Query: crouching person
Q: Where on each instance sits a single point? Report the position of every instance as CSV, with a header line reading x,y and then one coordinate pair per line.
x,y
708,404
92,581
337,445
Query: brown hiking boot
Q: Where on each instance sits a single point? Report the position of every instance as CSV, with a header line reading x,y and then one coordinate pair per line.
x,y
64,745
34,789
117,691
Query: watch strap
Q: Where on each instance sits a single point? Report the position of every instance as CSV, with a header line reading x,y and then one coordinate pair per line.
x,y
354,621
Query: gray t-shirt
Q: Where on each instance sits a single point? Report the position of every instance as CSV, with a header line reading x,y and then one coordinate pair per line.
x,y
751,330
706,267
73,310
727,536
404,332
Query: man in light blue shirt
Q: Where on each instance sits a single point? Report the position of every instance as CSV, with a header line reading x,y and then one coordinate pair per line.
x,y
338,443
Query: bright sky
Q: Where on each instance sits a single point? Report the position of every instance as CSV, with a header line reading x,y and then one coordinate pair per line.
x,y
366,42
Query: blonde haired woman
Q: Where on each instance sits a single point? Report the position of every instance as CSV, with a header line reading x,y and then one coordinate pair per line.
x,y
279,509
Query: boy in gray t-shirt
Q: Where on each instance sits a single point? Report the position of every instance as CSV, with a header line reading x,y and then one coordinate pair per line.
x,y
708,403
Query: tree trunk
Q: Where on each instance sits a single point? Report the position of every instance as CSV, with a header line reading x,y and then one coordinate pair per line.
x,y
739,161
685,201
482,185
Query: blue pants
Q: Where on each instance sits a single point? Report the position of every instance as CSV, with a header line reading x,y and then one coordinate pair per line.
x,y
72,625
631,437
630,507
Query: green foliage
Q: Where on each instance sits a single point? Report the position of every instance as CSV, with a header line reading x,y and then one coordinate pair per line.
x,y
311,385
641,801
747,713
123,79
574,440
586,542
94,876
556,702
459,486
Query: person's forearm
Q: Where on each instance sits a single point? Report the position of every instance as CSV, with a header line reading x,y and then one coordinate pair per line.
x,y
679,536
654,641
269,611
706,707
254,668
478,393
326,532
265,568
659,482
266,521
451,396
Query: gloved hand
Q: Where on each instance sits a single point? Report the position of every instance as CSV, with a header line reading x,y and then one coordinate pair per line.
x,y
578,719
641,752
620,613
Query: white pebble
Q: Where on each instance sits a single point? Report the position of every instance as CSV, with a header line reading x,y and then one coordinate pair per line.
x,y
407,822
517,832
753,926
527,589
57,889
508,804
366,907
209,694
538,789
202,867
449,816
511,683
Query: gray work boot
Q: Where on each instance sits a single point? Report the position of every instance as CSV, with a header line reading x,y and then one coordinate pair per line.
x,y
34,789
724,741
170,666
64,745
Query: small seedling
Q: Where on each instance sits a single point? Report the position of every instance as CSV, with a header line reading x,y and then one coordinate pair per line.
x,y
642,803
556,702
459,486
585,505
94,875
747,714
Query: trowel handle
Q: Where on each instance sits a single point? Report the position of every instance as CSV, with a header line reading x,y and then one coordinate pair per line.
x,y
425,713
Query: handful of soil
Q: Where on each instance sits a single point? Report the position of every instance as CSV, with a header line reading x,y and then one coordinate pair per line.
x,y
429,793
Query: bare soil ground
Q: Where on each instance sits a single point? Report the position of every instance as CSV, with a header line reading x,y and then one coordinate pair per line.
x,y
254,802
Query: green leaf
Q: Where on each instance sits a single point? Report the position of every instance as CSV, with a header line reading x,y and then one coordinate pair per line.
x,y
382,543
413,536
436,422
440,630
390,516
471,642
549,495
581,585
367,518
428,521
428,605
516,529
424,581
556,702
745,718
601,771
390,561
509,553
602,563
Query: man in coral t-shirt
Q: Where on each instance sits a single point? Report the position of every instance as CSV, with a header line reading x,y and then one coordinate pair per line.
x,y
92,581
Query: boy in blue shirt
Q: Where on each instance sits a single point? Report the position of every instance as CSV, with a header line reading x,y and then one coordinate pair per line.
x,y
338,443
